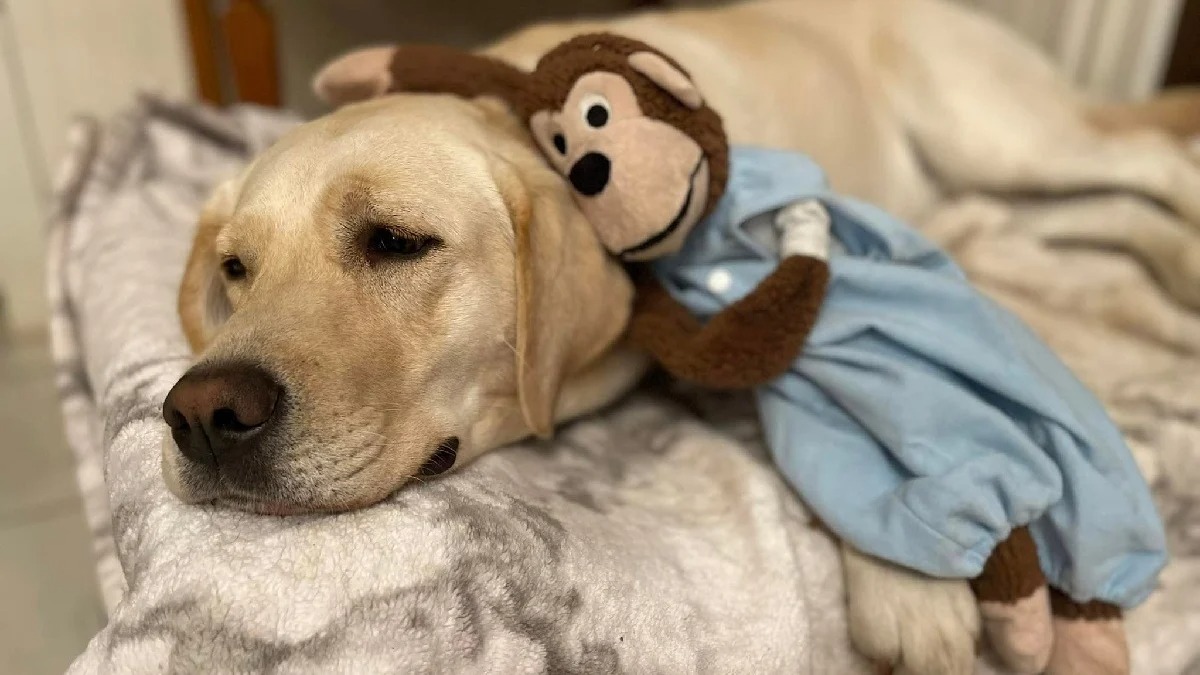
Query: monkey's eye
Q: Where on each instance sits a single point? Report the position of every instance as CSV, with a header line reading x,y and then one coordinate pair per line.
x,y
597,116
596,111
560,144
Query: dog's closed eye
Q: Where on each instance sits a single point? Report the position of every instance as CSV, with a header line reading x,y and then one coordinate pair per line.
x,y
233,269
384,242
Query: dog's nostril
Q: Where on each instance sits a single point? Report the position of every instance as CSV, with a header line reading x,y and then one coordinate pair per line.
x,y
176,421
225,419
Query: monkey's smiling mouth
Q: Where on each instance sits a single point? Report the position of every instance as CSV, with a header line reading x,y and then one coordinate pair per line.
x,y
676,221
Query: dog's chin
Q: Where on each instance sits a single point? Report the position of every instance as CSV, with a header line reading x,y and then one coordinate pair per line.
x,y
202,491
271,492
204,486
269,508
184,481
282,506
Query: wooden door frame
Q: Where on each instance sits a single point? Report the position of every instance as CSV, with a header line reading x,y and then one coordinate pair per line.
x,y
235,54
1183,68
239,39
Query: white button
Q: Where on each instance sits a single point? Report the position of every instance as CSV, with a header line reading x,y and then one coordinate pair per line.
x,y
719,280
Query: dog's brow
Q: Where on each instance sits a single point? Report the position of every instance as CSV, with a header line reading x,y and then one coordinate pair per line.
x,y
351,198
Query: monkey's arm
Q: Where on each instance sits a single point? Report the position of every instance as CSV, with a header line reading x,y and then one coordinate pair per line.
x,y
444,70
751,342
803,229
756,339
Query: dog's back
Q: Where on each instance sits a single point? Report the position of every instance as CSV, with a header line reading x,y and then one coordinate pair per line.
x,y
793,74
873,89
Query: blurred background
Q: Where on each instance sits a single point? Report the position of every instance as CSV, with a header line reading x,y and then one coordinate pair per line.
x,y
63,58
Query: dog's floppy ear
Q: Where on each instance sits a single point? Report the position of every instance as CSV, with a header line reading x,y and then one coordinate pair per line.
x,y
667,76
203,304
355,76
573,300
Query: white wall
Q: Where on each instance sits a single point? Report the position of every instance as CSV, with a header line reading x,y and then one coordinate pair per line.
x,y
1115,49
20,215
63,58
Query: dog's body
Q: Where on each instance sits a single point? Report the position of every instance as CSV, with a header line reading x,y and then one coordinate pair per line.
x,y
368,356
900,100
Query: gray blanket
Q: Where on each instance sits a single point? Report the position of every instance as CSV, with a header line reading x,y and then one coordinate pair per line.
x,y
651,537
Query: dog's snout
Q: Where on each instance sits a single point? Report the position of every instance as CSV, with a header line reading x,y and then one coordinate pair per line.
x,y
218,412
590,174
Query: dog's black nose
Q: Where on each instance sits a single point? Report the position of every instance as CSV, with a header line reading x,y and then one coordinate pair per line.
x,y
590,174
218,412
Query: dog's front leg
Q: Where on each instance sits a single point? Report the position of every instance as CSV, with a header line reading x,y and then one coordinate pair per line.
x,y
918,624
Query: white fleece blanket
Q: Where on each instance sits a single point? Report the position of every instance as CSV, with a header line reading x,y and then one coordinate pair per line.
x,y
652,537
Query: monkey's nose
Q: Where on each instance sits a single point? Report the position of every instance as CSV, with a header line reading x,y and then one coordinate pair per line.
x,y
590,174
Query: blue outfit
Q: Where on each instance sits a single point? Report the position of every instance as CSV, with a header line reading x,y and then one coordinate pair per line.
x,y
923,422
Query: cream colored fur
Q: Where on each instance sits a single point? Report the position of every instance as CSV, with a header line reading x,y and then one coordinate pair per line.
x,y
925,626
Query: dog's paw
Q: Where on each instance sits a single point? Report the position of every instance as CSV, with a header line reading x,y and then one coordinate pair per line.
x,y
921,625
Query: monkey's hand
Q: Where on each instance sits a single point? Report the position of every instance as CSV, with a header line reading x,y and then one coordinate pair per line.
x,y
803,229
751,342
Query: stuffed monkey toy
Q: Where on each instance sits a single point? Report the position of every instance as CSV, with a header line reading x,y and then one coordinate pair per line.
x,y
923,424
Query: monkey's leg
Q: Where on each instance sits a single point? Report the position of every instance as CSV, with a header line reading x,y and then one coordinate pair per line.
x,y
1089,638
1014,603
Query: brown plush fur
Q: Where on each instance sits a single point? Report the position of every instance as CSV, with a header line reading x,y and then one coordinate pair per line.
x,y
1062,606
751,342
1012,571
437,69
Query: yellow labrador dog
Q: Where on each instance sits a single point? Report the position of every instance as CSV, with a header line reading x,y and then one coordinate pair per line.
x,y
404,284
402,280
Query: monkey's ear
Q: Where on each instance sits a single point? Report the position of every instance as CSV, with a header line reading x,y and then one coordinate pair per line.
x,y
355,76
668,76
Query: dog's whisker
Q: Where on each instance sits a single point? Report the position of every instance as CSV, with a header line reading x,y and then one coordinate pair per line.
x,y
508,344
360,466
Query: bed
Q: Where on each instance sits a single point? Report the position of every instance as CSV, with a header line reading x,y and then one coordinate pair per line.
x,y
652,536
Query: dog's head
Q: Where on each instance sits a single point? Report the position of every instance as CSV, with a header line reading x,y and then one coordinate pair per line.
x,y
389,291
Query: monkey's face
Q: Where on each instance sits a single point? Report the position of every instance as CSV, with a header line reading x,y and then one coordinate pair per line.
x,y
641,182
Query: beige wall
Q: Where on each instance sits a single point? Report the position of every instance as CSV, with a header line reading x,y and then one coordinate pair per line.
x,y
62,58
1114,49
20,214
